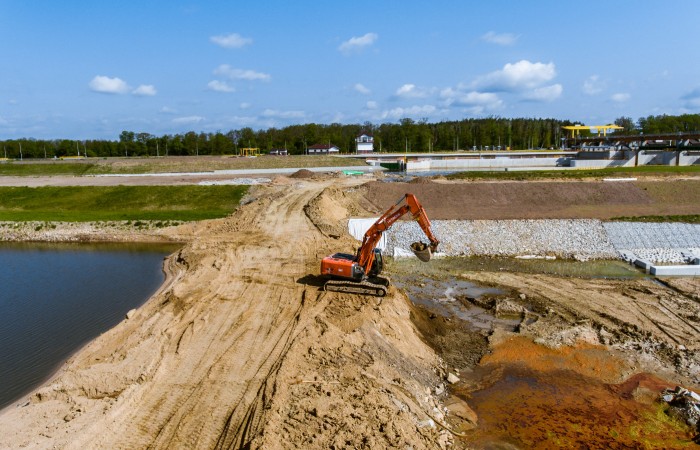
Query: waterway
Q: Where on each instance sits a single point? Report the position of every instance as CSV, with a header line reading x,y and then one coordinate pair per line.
x,y
54,298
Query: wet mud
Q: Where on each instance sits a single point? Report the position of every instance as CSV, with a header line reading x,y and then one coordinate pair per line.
x,y
529,396
523,385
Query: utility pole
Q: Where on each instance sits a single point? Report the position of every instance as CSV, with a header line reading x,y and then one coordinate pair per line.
x,y
157,151
20,151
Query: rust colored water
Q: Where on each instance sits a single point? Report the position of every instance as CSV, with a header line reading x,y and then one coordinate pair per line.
x,y
529,396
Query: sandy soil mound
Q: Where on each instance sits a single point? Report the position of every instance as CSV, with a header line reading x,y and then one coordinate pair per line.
x,y
330,210
302,173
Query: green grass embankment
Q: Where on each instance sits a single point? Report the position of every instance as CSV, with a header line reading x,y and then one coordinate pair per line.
x,y
175,164
90,203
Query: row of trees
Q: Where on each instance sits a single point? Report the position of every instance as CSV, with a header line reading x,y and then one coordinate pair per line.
x,y
407,135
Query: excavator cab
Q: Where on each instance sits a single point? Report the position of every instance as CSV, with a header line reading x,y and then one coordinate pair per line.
x,y
377,264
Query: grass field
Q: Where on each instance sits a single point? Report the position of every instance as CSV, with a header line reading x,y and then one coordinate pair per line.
x,y
87,204
101,166
642,171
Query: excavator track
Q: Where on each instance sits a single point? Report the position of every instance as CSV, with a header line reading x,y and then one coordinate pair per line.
x,y
357,287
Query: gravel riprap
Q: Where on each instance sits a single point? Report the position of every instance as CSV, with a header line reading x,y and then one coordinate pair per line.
x,y
580,239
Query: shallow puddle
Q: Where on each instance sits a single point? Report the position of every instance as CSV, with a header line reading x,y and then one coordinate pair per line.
x,y
529,396
446,297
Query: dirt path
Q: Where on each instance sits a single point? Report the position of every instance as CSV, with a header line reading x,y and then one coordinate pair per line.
x,y
233,348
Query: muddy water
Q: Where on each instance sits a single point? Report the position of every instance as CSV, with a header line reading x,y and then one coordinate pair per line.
x,y
529,396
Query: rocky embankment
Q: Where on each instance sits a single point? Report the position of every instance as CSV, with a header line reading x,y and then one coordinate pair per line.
x,y
580,239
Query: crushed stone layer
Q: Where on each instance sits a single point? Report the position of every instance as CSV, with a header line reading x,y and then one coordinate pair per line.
x,y
580,239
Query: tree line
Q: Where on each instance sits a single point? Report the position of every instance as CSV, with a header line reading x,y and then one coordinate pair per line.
x,y
407,135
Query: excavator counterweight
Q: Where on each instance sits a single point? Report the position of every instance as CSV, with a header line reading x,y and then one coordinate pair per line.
x,y
359,273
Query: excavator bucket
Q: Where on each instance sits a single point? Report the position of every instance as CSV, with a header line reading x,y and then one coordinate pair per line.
x,y
422,251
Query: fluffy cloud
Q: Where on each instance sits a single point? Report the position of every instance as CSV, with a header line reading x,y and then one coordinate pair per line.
x,y
412,91
362,89
232,40
477,102
413,111
692,99
145,90
499,39
168,110
620,97
245,105
240,74
219,86
371,105
592,85
358,43
107,85
516,77
544,94
188,120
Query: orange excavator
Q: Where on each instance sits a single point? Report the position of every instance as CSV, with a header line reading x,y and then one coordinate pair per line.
x,y
359,273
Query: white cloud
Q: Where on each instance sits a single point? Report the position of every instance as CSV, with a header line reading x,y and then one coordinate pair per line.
x,y
413,111
592,85
372,105
500,39
362,89
245,105
482,101
620,97
107,85
145,90
412,91
517,76
692,99
188,120
283,114
544,94
168,110
240,74
358,43
219,86
12,101
231,40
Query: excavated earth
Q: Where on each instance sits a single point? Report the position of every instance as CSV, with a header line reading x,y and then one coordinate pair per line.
x,y
240,348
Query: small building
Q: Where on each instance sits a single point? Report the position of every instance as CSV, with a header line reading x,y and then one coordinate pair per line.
x,y
323,149
278,152
365,143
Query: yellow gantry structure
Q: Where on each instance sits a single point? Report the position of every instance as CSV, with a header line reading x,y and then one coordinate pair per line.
x,y
249,152
576,129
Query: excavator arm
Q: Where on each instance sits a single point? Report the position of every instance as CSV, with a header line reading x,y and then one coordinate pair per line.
x,y
365,254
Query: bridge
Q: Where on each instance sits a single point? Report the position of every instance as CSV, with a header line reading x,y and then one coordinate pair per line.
x,y
665,141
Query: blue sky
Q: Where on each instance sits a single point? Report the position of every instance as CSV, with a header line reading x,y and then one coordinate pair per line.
x,y
88,70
